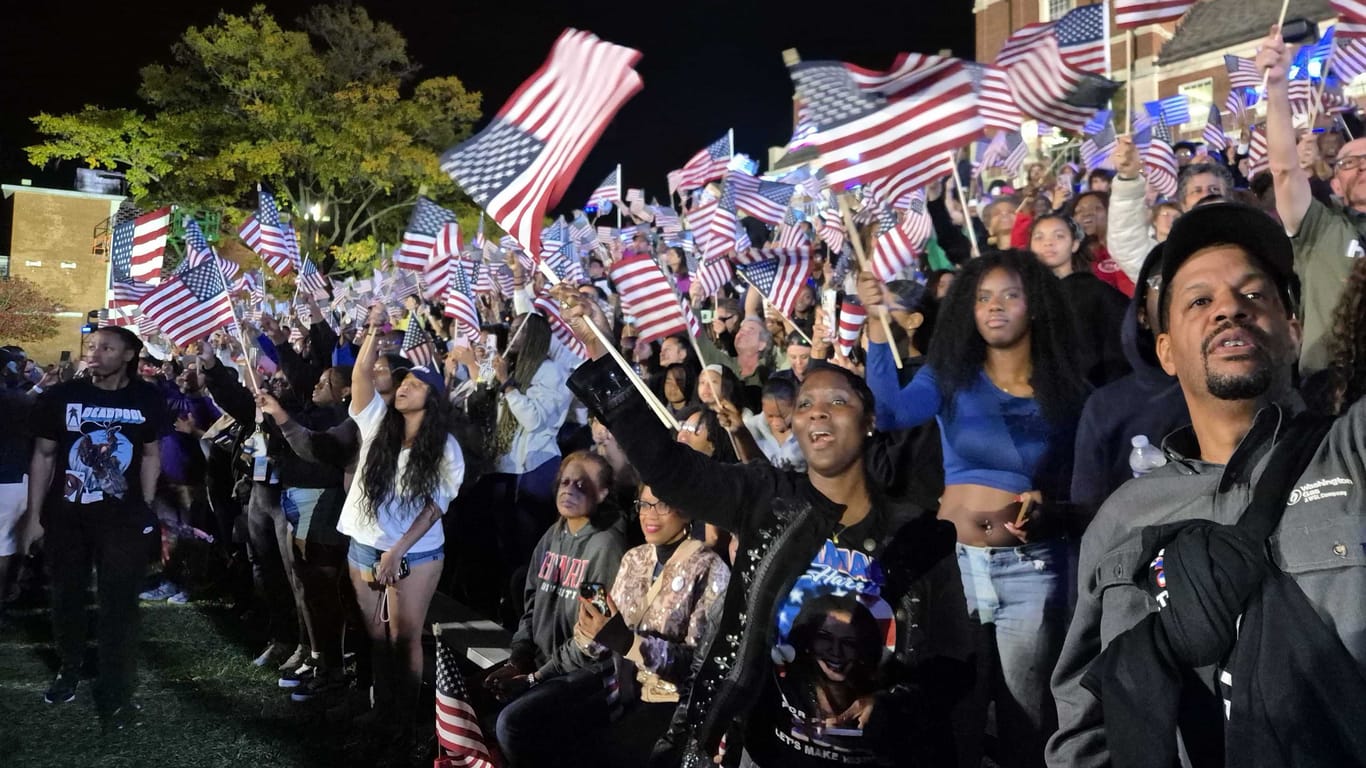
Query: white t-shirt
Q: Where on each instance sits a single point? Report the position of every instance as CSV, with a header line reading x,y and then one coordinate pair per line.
x,y
393,519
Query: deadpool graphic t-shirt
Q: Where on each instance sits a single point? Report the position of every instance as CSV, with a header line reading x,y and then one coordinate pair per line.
x,y
100,436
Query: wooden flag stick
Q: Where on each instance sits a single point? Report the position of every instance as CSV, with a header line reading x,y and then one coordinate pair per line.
x,y
856,239
774,307
1285,6
1129,86
963,200
656,406
684,311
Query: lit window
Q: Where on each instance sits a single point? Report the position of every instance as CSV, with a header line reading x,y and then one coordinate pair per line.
x,y
1054,9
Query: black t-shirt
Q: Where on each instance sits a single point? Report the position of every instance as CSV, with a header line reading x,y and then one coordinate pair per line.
x,y
100,436
834,629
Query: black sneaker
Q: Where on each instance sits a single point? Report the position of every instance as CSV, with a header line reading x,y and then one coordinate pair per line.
x,y
63,688
297,676
323,683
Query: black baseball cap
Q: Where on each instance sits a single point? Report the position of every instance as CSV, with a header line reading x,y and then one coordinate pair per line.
x,y
1222,222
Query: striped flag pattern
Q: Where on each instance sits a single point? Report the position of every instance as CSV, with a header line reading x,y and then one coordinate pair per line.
x,y
460,303
851,321
898,145
780,277
1349,60
831,229
1213,135
1242,73
608,192
310,279
139,245
1256,151
417,345
1138,13
419,239
707,165
994,99
1351,19
766,201
457,725
519,165
1055,68
714,272
1173,110
792,234
648,296
263,233
1160,161
1096,149
548,308
191,303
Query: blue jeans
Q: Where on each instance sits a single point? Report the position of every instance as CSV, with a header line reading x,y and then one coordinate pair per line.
x,y
364,556
1020,599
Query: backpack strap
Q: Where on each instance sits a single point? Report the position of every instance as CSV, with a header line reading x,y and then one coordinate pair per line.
x,y
1289,458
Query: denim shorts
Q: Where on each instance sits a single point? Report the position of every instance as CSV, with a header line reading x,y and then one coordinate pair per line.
x,y
364,556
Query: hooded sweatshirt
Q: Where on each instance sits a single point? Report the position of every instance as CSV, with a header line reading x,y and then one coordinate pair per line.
x,y
562,563
1145,402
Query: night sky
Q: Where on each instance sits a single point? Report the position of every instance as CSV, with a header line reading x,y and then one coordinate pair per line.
x,y
707,65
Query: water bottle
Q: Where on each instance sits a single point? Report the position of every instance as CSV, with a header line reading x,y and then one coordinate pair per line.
x,y
1145,457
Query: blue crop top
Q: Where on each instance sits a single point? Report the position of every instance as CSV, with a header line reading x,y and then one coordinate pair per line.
x,y
992,438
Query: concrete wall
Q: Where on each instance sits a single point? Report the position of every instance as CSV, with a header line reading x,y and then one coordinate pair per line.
x,y
52,235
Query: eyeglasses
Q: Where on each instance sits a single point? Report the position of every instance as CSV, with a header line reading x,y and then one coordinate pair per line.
x,y
654,507
1349,163
690,427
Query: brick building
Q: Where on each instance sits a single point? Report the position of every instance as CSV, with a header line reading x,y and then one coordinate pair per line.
x,y
1181,57
51,244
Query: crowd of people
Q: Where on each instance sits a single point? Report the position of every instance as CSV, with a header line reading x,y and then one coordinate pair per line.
x,y
1093,486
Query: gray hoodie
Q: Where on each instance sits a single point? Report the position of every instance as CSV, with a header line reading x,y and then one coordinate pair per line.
x,y
561,563
1321,543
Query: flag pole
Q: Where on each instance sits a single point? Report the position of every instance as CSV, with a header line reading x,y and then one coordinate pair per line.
x,y
730,140
619,198
856,239
1129,62
656,406
963,200
1317,101
1266,76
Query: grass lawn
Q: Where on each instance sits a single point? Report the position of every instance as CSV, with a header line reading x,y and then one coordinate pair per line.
x,y
204,704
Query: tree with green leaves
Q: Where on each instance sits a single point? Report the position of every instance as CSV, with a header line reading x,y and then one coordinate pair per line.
x,y
25,312
330,114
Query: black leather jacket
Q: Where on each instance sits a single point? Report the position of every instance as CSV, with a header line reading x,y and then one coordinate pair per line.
x,y
782,521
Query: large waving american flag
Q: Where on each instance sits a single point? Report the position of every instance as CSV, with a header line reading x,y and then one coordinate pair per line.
x,y
647,296
994,99
521,163
1138,13
900,145
1054,68
707,165
419,239
139,245
263,233
191,303
781,277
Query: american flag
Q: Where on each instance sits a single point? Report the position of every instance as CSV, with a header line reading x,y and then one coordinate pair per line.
x,y
648,296
764,200
1142,124
1236,106
126,292
915,220
419,239
198,250
1080,35
311,280
714,272
519,165
708,164
417,345
1096,149
893,253
719,235
994,99
1044,79
781,277
460,303
792,234
550,309
1160,161
1213,135
831,229
191,303
1256,150
1011,154
1351,19
1137,13
436,275
581,233
1242,73
901,144
120,316
263,233
608,192
457,725
138,246
1173,110
1349,59
666,218
558,254
851,321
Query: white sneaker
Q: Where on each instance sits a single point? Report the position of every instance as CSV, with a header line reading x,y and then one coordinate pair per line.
x,y
162,591
180,598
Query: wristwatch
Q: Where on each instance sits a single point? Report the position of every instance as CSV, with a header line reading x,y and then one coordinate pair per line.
x,y
531,679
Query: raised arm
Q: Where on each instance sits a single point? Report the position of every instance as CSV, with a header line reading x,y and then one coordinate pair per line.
x,y
895,407
1290,181
362,373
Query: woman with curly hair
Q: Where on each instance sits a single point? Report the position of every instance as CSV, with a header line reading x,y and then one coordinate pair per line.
x,y
1343,382
408,471
1004,384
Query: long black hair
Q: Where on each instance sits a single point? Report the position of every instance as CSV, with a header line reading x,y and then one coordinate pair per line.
x,y
422,475
959,351
535,350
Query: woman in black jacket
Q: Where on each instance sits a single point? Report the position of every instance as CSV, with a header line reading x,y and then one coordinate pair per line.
x,y
842,635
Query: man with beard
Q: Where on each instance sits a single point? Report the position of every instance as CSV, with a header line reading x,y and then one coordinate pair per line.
x,y
1228,332
1327,238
